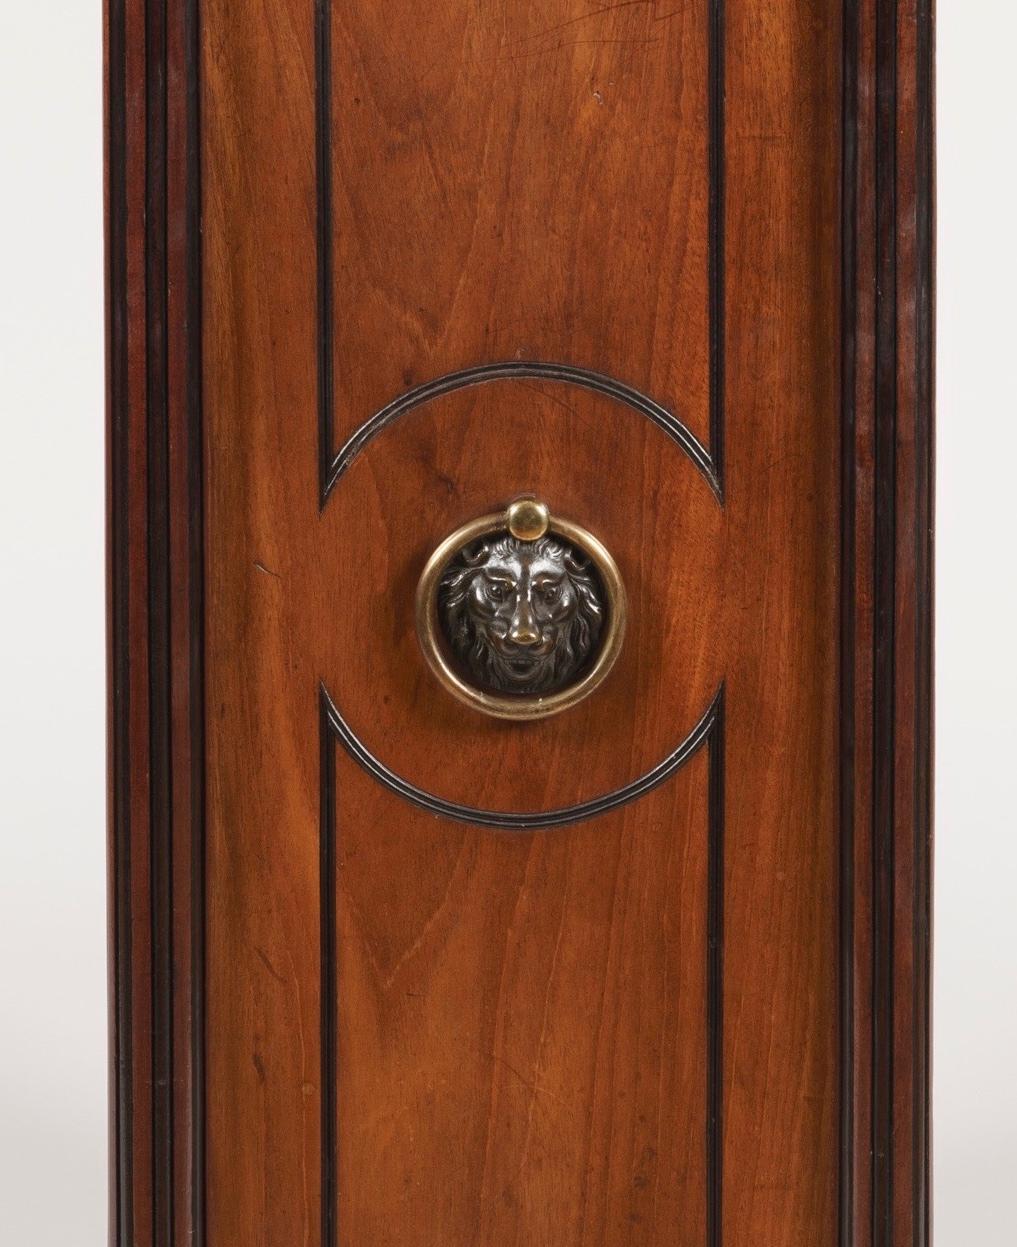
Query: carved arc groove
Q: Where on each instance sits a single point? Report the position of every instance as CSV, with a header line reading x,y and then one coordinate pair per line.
x,y
506,820
510,370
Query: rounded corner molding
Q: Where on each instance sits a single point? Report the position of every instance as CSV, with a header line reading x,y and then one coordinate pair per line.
x,y
521,614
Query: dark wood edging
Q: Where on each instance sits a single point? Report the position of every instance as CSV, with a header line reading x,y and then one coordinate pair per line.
x,y
886,622
156,623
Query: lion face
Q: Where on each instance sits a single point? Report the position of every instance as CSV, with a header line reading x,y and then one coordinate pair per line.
x,y
522,617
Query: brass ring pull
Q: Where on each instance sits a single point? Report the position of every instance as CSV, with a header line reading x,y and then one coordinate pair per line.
x,y
521,614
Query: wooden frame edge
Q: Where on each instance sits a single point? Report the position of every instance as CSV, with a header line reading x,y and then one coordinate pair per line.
x,y
155,585
155,631
887,613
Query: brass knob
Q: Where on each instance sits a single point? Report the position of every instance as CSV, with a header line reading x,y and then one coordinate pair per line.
x,y
528,518
521,614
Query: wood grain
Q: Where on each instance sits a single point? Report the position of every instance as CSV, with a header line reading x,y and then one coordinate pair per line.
x,y
309,592
511,997
783,100
528,1027
524,180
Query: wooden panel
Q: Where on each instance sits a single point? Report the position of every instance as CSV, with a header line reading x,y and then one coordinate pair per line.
x,y
783,444
263,914
493,1011
518,181
342,1016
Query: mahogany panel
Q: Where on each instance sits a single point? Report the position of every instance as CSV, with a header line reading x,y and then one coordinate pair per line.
x,y
702,1015
519,181
783,443
263,1133
522,1042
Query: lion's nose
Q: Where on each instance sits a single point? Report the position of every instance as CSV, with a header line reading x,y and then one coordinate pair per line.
x,y
523,630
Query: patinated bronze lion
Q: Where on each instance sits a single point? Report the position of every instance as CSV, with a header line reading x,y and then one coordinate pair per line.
x,y
521,616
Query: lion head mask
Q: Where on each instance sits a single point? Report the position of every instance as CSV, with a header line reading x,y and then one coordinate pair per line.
x,y
521,616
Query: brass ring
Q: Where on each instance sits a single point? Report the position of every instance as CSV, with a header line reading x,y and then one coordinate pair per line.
x,y
527,520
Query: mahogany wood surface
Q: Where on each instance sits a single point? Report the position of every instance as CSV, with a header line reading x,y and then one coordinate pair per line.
x,y
699,1017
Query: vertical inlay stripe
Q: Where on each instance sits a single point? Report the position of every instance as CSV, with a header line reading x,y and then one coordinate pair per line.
x,y
715,984
715,894
848,503
329,984
716,237
121,1038
924,468
196,605
159,621
323,174
884,606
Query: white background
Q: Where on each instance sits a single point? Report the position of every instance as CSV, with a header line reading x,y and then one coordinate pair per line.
x,y
975,1002
52,634
52,770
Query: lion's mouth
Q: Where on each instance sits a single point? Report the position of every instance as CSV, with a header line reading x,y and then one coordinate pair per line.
x,y
519,659
521,668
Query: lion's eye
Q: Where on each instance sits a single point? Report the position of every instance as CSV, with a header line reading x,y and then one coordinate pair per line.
x,y
497,591
551,593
